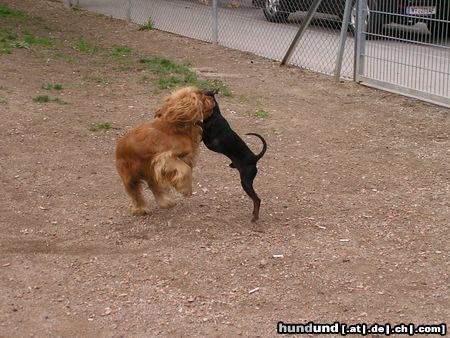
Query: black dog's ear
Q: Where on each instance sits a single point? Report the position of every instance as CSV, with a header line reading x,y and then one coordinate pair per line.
x,y
210,92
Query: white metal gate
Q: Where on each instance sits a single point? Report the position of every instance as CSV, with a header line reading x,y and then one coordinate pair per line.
x,y
404,47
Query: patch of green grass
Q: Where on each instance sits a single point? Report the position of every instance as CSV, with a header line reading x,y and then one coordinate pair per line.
x,y
148,26
16,15
171,75
46,99
50,86
103,125
6,12
22,45
84,46
162,66
5,48
6,39
258,113
120,52
30,39
41,99
222,87
6,35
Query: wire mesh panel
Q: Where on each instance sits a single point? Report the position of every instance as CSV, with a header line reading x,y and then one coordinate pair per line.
x,y
188,18
117,9
405,47
267,27
402,45
262,27
245,28
319,46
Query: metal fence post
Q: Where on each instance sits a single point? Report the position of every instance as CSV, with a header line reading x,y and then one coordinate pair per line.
x,y
215,28
301,30
360,40
128,15
342,40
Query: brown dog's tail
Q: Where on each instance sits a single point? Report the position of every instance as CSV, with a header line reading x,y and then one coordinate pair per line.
x,y
263,151
170,170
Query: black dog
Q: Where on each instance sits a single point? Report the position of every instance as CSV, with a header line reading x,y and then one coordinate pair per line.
x,y
219,137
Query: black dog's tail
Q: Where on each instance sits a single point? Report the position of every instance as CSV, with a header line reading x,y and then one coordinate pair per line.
x,y
263,151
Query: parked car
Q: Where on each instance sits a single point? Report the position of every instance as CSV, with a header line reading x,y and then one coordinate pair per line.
x,y
435,13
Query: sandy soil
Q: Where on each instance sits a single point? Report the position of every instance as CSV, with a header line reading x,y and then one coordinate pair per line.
x,y
355,190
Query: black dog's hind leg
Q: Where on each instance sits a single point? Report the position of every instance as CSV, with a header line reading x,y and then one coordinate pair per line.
x,y
247,177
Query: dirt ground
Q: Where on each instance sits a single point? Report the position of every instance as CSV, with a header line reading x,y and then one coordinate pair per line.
x,y
355,190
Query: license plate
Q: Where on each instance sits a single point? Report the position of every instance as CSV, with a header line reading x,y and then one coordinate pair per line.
x,y
421,10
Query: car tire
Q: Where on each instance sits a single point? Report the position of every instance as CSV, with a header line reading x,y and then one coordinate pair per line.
x,y
274,11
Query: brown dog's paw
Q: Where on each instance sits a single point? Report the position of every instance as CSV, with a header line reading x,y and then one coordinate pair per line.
x,y
186,192
166,204
140,211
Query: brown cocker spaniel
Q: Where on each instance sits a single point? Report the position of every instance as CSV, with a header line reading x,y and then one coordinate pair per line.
x,y
161,152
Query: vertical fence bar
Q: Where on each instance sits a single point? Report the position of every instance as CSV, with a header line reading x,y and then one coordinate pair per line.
x,y
342,40
215,28
128,13
301,30
360,42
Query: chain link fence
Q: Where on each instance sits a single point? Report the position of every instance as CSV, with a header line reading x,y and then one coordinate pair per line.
x,y
398,45
240,24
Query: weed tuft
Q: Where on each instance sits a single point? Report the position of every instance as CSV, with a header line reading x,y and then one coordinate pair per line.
x,y
120,51
103,125
30,39
148,26
6,39
83,46
258,113
55,86
46,99
42,99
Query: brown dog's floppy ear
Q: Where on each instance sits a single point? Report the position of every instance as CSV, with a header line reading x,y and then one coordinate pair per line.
x,y
184,110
